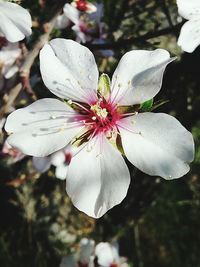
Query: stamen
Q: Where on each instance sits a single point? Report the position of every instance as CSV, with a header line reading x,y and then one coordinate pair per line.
x,y
129,114
79,105
129,130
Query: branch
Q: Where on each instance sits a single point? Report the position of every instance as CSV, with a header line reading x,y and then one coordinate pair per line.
x,y
139,39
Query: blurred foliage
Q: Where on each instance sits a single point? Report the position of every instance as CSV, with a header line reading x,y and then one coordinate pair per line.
x,y
158,223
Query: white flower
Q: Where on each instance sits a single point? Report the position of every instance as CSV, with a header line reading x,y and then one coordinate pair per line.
x,y
83,258
85,25
59,159
8,56
15,155
72,13
108,255
96,116
189,37
15,21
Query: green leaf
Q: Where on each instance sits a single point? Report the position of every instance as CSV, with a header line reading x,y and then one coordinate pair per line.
x,y
146,106
104,85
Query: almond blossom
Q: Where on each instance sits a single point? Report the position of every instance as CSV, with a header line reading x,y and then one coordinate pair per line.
x,y
189,37
108,255
15,21
83,258
59,159
8,56
72,12
85,25
14,154
101,121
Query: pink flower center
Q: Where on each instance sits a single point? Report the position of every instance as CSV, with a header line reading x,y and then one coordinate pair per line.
x,y
81,5
102,116
68,157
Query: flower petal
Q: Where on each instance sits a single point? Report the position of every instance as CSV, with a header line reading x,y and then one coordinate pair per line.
x,y
189,9
69,70
41,164
86,250
58,158
106,254
157,144
138,76
61,172
71,13
189,37
62,22
98,186
41,128
15,21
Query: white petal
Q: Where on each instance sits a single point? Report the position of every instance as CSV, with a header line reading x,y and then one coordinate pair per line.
x,y
41,164
189,37
62,22
61,172
15,21
69,70
97,179
189,8
71,13
86,250
104,254
41,128
58,158
138,76
91,8
80,36
9,53
157,144
10,72
8,56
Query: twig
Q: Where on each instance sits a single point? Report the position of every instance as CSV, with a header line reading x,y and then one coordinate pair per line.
x,y
10,99
139,39
137,245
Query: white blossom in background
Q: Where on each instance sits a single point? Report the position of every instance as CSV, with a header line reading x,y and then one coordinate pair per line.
x,y
8,56
72,13
59,159
84,25
189,37
15,21
87,27
14,154
83,258
92,118
108,255
84,6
